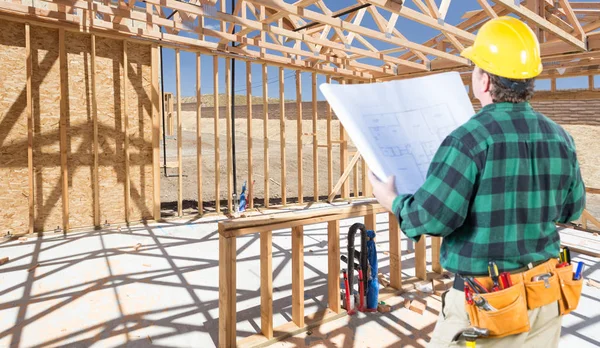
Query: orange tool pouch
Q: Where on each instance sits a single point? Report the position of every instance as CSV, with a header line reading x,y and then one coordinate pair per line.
x,y
509,314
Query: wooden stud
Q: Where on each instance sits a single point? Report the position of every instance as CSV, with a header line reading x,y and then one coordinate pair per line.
x,y
155,135
249,111
228,126
299,131
333,265
298,275
420,259
344,177
126,134
265,132
553,85
266,283
363,170
63,128
329,145
199,131
315,139
217,143
355,181
344,158
371,222
29,67
436,243
395,252
227,291
282,137
179,135
591,82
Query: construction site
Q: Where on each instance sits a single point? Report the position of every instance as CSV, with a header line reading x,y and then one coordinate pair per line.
x,y
132,133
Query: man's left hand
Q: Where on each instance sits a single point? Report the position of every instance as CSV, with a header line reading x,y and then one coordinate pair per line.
x,y
385,192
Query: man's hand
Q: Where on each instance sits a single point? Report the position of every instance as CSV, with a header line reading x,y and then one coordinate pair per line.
x,y
385,192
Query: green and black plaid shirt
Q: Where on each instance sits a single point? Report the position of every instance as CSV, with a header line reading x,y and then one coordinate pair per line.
x,y
495,189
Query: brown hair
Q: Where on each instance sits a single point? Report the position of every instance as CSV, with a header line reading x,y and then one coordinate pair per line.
x,y
501,93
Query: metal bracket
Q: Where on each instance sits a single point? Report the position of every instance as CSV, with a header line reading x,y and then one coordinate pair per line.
x,y
347,46
395,69
428,65
441,21
517,2
388,35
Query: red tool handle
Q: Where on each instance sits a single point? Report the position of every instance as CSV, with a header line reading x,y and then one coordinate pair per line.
x,y
361,289
348,308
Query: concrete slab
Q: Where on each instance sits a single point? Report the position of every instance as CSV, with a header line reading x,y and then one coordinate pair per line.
x,y
92,289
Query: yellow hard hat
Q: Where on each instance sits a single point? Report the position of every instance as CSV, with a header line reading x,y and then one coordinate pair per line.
x,y
506,47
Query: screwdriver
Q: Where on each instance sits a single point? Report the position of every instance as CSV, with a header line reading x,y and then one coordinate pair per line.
x,y
494,274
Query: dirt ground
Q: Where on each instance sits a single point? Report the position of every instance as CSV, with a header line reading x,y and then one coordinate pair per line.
x,y
585,137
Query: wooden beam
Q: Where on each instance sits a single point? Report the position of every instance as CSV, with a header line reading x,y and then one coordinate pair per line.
x,y
395,252
227,291
156,99
228,130
344,160
266,176
371,222
444,8
329,144
64,99
344,177
298,275
553,84
179,135
315,139
299,131
543,24
420,259
591,82
199,131
29,67
363,170
126,133
217,142
282,136
266,284
355,181
333,265
573,19
436,243
485,5
249,112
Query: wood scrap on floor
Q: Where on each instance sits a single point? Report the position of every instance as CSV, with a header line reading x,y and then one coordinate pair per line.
x,y
593,283
383,280
137,246
3,260
416,305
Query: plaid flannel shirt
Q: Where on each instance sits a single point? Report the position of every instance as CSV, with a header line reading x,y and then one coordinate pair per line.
x,y
495,190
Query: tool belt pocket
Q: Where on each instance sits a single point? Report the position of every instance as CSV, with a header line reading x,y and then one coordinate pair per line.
x,y
506,314
541,292
570,290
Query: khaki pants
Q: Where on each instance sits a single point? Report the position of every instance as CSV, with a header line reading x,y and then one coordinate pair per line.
x,y
545,325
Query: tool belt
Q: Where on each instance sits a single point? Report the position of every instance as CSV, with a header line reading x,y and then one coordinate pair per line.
x,y
505,312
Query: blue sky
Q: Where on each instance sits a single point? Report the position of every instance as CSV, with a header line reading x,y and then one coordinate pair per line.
x,y
413,31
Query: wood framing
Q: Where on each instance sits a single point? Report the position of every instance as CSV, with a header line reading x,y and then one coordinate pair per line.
x,y
199,131
282,137
217,143
249,134
265,133
31,197
344,177
436,243
126,131
315,140
333,266
179,135
266,283
228,128
155,135
298,275
64,100
329,145
420,259
395,252
299,132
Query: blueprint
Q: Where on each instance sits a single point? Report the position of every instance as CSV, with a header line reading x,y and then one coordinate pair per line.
x,y
398,126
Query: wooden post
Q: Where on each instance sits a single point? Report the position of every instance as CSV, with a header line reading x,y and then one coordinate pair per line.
x,y
298,275
155,136
371,222
179,136
266,283
363,169
344,158
282,136
329,146
217,151
395,252
315,139
355,181
29,66
227,291
420,259
436,243
126,134
299,135
591,82
553,85
63,128
333,265
229,139
265,132
249,108
199,131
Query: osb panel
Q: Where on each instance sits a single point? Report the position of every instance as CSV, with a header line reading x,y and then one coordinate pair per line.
x,y
46,118
14,187
80,132
139,108
111,141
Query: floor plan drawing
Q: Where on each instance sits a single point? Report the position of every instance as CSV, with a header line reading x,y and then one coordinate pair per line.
x,y
398,126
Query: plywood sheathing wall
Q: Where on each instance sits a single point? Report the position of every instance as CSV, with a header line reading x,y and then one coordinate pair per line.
x,y
14,189
46,135
46,94
139,107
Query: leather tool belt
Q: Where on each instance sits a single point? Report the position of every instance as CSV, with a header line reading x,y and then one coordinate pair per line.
x,y
504,312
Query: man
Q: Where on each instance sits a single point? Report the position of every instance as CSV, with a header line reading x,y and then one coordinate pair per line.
x,y
497,185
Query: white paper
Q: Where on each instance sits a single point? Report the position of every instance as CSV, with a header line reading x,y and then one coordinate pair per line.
x,y
398,126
